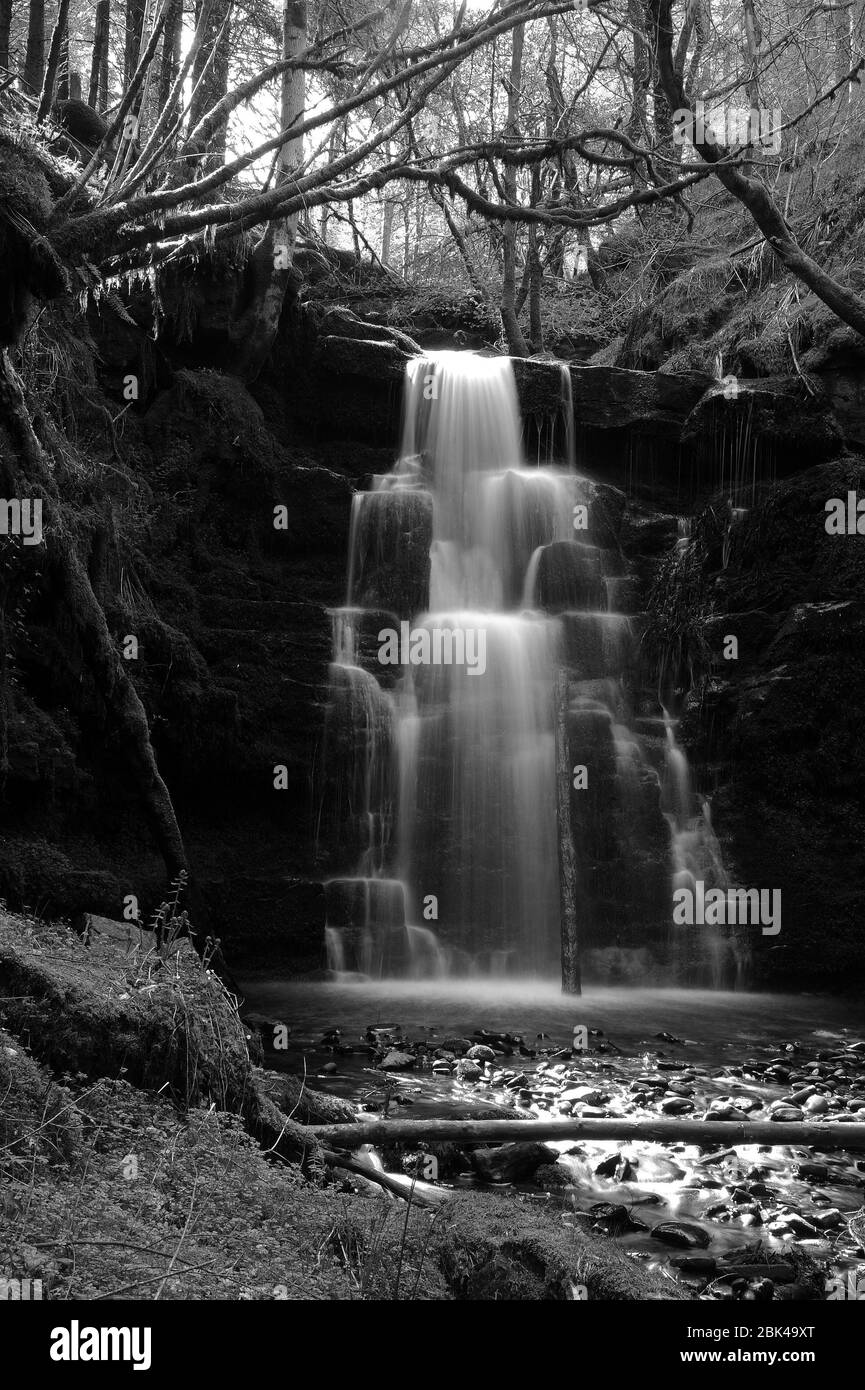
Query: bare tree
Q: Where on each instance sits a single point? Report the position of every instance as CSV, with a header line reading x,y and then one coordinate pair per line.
x,y
5,30
170,64
97,95
135,10
59,35
145,216
510,322
750,191
210,73
34,61
274,257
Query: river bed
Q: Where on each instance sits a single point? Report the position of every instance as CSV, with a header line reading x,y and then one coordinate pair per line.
x,y
652,1052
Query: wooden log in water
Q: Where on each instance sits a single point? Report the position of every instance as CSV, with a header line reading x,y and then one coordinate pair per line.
x,y
723,1132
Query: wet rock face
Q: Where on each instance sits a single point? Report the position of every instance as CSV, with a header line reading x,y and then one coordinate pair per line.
x,y
786,425
390,563
231,616
777,730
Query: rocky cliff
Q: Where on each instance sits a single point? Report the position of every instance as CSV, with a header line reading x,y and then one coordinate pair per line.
x,y
215,518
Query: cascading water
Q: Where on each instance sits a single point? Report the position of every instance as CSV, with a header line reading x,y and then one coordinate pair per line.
x,y
481,578
441,546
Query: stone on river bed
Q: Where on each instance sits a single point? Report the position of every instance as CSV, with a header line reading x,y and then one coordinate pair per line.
x,y
395,1060
812,1172
481,1053
816,1105
656,1168
551,1176
615,1218
583,1095
676,1105
617,1166
725,1112
511,1162
683,1234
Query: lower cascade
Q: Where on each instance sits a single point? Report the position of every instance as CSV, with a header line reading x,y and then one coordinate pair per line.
x,y
496,800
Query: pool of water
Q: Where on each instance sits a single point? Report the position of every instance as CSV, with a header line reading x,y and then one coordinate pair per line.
x,y
715,1028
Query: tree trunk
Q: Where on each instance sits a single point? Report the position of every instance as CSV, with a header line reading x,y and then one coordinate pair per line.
x,y
325,210
663,113
858,46
58,34
571,983
475,279
753,39
256,330
64,75
636,126
753,194
843,53
536,271
515,340
170,65
387,216
407,252
99,58
725,1133
212,84
132,39
34,61
5,26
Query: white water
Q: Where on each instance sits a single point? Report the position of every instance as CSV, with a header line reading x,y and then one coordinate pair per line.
x,y
446,790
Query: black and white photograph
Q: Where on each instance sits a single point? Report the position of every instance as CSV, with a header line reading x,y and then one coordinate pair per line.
x,y
432,676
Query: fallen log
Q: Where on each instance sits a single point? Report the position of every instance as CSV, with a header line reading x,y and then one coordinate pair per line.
x,y
727,1132
421,1194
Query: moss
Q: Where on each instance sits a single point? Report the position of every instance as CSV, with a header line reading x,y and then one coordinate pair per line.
x,y
38,1118
164,1024
497,1248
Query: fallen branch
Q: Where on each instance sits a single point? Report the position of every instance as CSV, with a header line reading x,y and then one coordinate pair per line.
x,y
821,1136
398,1187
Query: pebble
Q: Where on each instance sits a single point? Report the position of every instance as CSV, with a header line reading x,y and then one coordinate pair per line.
x,y
683,1234
676,1105
812,1172
582,1095
816,1105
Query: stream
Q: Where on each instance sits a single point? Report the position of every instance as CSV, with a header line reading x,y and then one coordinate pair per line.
x,y
702,1054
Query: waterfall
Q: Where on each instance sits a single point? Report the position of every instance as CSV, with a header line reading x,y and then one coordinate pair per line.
x,y
473,578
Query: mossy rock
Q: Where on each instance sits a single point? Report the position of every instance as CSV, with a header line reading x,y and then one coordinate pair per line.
x,y
499,1249
162,1022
